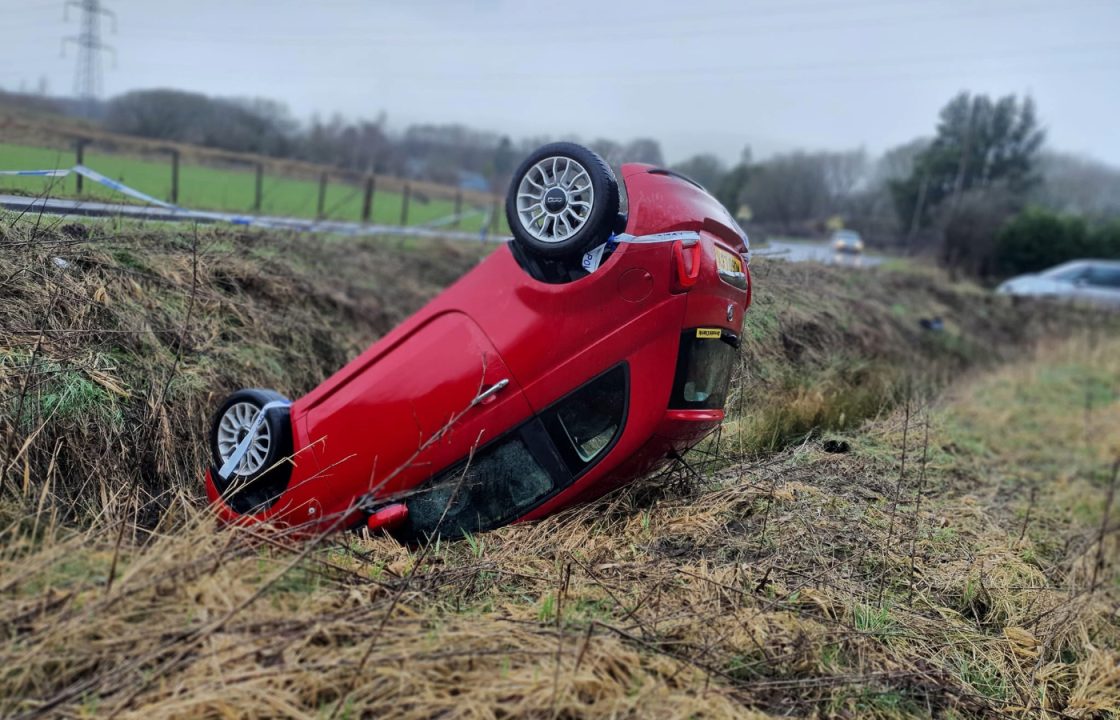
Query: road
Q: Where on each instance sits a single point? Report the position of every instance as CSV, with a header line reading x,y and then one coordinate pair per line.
x,y
816,251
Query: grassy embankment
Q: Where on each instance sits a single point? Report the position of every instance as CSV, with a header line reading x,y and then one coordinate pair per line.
x,y
215,188
767,580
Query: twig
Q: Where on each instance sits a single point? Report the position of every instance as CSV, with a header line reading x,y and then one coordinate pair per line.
x,y
1099,563
1027,517
561,591
186,322
897,496
27,377
918,508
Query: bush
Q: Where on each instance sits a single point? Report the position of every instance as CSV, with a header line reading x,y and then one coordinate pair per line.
x,y
1106,240
1037,239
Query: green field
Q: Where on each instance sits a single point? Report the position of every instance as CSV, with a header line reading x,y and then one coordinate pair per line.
x,y
211,188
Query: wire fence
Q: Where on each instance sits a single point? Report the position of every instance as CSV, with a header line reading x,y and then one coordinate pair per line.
x,y
204,178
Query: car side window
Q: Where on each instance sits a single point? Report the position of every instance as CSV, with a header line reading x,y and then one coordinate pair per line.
x,y
1070,275
585,423
1104,276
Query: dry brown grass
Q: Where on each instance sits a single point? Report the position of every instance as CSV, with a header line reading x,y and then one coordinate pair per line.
x,y
755,592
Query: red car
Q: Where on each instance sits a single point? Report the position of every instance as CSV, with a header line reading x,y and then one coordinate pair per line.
x,y
580,355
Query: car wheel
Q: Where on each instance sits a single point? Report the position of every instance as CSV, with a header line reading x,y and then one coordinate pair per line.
x,y
261,473
563,200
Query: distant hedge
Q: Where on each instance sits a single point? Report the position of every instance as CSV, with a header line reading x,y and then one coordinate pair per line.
x,y
1036,239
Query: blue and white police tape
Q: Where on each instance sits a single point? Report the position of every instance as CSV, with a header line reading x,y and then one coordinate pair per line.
x,y
37,173
96,177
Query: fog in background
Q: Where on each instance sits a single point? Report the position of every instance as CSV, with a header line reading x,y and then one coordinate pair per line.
x,y
698,76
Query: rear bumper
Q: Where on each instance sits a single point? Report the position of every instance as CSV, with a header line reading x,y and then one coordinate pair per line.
x,y
677,432
685,425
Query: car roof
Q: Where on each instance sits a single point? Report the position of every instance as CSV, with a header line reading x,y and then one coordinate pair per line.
x,y
1081,263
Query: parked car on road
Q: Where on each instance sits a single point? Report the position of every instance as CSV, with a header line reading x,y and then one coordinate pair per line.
x,y
847,241
588,351
1095,282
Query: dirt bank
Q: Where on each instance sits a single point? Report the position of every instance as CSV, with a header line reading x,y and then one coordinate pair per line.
x,y
117,341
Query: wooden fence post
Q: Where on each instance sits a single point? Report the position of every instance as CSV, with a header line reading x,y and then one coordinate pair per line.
x,y
79,155
258,195
367,201
174,177
494,218
322,196
458,206
404,203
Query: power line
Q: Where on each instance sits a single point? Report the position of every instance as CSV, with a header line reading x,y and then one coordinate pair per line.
x,y
87,72
641,31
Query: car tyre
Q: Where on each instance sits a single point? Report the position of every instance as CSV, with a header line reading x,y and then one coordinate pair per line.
x,y
562,201
262,475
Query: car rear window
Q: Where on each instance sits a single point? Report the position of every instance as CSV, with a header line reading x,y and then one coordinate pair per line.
x,y
707,357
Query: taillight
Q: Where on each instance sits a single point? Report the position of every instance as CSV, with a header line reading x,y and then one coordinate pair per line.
x,y
686,261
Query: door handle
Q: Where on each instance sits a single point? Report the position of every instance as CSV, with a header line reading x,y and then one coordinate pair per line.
x,y
488,394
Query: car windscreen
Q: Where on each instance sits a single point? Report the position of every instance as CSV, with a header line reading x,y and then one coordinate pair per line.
x,y
481,493
707,357
1068,272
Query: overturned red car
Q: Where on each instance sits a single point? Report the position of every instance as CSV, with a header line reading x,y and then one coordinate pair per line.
x,y
584,353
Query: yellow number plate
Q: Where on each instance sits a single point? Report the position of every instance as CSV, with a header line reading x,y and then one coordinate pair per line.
x,y
728,261
708,333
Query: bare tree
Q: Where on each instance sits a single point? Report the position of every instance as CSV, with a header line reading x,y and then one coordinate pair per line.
x,y
1078,185
800,188
706,169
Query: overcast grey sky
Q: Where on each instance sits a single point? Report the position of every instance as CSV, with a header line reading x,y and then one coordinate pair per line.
x,y
699,75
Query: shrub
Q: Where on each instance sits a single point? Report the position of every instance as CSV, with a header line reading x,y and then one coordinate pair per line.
x,y
1037,239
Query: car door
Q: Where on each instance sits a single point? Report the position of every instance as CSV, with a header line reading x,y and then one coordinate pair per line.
x,y
532,463
424,404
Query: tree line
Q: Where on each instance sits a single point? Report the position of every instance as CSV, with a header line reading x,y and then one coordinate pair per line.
x,y
983,195
448,153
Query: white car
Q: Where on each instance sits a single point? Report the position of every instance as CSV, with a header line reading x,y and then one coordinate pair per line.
x,y
847,241
1089,281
